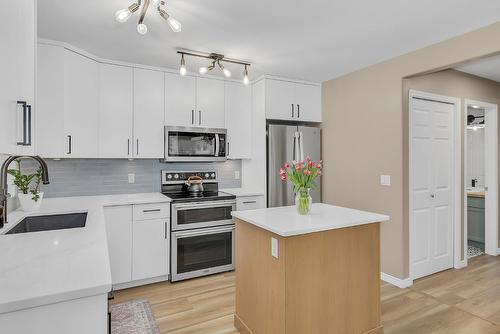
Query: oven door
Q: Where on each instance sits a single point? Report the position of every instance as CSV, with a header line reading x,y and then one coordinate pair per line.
x,y
195,144
202,252
186,216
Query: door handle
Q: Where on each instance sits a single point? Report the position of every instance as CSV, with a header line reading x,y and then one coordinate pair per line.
x,y
128,146
25,111
199,117
292,111
151,210
227,148
29,125
298,110
192,116
70,144
137,146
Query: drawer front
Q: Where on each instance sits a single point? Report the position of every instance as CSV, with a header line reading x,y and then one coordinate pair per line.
x,y
250,203
151,211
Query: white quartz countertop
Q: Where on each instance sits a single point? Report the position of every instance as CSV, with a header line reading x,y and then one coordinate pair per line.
x,y
286,222
47,267
241,192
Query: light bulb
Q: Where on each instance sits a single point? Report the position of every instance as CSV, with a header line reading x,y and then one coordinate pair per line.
x,y
174,24
227,72
183,69
122,15
142,29
203,70
246,81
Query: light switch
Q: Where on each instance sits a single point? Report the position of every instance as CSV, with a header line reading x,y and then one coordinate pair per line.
x,y
236,174
385,180
274,247
131,178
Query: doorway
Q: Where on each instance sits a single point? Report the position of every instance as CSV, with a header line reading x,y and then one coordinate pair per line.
x,y
481,180
435,163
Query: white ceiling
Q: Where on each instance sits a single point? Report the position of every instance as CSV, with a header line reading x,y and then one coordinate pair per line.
x,y
312,40
487,68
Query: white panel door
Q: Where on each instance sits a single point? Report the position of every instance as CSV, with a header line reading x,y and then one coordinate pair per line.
x,y
280,100
17,70
180,100
431,175
50,138
239,120
119,234
308,102
116,111
81,106
210,103
150,247
149,113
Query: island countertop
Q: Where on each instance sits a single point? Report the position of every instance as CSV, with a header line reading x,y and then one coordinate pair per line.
x,y
286,222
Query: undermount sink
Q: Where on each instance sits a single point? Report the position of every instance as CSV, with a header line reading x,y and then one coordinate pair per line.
x,y
49,222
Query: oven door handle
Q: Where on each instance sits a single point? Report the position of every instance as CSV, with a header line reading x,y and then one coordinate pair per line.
x,y
178,207
217,144
180,235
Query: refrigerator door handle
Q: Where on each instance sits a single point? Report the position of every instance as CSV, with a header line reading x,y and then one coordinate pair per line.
x,y
301,146
295,137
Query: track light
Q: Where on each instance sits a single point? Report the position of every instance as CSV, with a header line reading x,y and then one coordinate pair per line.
x,y
123,15
217,60
183,69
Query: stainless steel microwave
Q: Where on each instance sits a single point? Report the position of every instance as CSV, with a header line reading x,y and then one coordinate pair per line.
x,y
184,144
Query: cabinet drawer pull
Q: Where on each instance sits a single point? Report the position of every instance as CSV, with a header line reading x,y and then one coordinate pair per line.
x,y
151,210
25,116
292,111
199,118
70,144
137,146
192,116
250,202
298,110
128,146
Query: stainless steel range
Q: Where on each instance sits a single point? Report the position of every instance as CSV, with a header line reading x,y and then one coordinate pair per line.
x,y
202,229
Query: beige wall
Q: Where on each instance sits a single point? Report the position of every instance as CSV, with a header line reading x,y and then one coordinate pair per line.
x,y
363,135
451,83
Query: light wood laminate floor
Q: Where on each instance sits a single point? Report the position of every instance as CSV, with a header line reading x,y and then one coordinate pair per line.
x,y
454,301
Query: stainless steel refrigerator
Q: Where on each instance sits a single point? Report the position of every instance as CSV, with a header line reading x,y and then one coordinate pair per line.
x,y
286,143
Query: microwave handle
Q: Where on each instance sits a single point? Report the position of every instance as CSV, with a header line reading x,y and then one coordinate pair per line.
x,y
217,144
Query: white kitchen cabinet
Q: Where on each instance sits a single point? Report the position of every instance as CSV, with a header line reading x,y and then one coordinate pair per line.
x,y
180,100
250,202
119,234
238,110
150,248
17,79
50,137
116,111
81,105
149,99
287,100
210,102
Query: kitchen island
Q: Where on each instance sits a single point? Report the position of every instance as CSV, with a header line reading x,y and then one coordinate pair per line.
x,y
318,273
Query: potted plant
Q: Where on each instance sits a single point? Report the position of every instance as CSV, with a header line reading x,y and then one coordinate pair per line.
x,y
303,175
30,196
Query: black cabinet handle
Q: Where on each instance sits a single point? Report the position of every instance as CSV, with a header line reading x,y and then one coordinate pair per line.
x,y
128,146
137,146
28,143
199,119
25,112
70,144
250,202
151,210
292,111
298,110
192,116
227,153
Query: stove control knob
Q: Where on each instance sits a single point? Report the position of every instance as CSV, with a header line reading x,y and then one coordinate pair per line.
x,y
169,176
176,176
206,175
213,175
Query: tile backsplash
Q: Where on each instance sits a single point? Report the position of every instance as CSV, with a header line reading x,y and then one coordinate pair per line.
x,y
84,177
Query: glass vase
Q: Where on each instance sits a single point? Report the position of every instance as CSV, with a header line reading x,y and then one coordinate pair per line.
x,y
303,201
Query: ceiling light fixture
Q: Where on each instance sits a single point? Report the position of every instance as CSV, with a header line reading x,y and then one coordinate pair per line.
x,y
123,15
216,61
183,69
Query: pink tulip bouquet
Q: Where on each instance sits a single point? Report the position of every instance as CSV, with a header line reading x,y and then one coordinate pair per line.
x,y
303,176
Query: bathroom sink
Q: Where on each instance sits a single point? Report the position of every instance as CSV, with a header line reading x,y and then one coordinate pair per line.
x,y
49,222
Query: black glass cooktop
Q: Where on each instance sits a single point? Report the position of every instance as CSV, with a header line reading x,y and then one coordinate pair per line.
x,y
179,197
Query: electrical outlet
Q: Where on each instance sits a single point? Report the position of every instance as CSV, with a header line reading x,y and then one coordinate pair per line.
x,y
274,247
131,178
236,174
385,180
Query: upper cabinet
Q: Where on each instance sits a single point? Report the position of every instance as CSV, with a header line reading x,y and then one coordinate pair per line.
x,y
17,79
116,111
194,101
149,109
293,101
238,120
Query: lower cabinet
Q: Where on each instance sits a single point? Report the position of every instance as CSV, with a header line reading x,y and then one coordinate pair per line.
x,y
250,202
138,248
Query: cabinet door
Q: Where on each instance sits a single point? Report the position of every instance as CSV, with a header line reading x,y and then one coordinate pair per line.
x,y
238,120
308,102
149,99
280,100
119,234
81,105
17,68
50,138
180,100
150,246
210,103
115,112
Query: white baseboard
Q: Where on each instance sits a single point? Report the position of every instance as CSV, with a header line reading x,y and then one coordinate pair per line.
x,y
400,283
461,264
146,281
498,251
